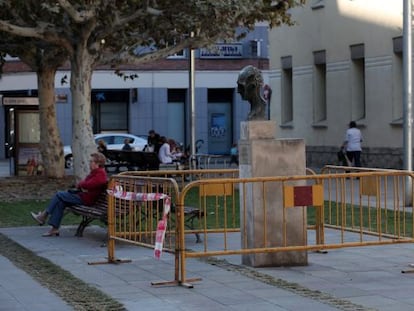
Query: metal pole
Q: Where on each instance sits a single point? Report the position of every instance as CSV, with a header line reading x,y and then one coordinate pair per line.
x,y
192,106
407,95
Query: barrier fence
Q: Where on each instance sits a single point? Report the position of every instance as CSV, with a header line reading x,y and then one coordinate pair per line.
x,y
341,209
136,204
208,161
183,177
134,207
390,190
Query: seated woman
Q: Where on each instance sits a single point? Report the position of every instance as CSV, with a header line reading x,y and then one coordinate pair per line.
x,y
88,191
164,154
102,147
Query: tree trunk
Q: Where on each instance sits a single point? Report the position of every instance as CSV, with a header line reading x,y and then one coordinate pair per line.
x,y
51,147
82,136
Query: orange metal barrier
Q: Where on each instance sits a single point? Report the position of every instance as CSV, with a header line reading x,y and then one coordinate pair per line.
x,y
391,190
183,177
366,207
136,204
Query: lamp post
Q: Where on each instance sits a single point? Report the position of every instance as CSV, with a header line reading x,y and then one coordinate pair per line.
x,y
407,96
191,88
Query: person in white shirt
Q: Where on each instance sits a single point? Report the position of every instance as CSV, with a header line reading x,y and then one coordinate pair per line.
x,y
352,144
164,154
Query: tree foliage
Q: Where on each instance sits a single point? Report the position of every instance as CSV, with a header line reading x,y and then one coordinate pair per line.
x,y
116,32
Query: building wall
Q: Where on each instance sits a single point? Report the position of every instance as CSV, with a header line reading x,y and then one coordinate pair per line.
x,y
149,111
152,85
334,26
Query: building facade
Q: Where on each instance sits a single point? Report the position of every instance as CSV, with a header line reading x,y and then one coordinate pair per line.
x,y
156,99
340,62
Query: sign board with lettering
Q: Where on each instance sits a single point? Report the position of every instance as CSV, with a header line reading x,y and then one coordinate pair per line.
x,y
20,101
222,50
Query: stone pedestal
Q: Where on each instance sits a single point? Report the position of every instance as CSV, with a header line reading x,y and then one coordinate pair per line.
x,y
261,155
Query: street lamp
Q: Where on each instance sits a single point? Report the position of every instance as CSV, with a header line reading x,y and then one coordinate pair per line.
x,y
192,106
407,96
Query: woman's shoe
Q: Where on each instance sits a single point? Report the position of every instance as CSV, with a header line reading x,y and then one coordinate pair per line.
x,y
52,232
37,218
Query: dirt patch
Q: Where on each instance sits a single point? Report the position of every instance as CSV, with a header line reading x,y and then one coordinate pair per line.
x,y
32,187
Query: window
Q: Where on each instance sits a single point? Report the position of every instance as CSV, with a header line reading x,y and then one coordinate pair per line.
x,y
110,110
319,87
357,82
287,90
256,48
180,54
113,116
176,120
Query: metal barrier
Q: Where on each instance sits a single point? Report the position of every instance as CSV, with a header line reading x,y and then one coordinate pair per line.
x,y
364,208
207,161
136,203
343,209
183,177
390,189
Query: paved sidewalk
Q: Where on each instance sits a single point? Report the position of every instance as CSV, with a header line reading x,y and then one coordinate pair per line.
x,y
18,291
130,283
343,279
4,168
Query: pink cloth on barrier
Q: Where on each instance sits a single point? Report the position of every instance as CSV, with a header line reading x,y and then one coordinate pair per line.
x,y
118,192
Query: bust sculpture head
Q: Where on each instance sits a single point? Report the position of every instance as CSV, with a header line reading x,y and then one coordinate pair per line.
x,y
249,83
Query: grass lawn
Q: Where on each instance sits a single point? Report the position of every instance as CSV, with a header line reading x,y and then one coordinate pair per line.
x,y
17,214
368,218
346,215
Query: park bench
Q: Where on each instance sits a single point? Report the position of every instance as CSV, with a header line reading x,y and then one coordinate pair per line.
x,y
190,215
99,211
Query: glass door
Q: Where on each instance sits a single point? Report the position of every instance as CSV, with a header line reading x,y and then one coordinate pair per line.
x,y
219,128
27,136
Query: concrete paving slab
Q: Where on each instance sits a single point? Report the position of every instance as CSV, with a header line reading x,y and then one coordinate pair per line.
x,y
18,291
347,275
130,283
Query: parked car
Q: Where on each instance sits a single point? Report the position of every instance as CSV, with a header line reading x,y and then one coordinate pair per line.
x,y
114,141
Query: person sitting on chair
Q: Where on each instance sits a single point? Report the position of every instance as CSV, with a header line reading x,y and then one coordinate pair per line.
x,y
102,147
127,146
164,154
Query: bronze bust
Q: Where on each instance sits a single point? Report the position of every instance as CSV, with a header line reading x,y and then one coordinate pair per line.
x,y
248,86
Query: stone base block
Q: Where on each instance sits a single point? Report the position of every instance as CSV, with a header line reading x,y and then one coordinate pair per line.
x,y
260,157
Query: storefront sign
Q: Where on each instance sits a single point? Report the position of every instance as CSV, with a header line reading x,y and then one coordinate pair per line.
x,y
222,50
20,101
61,98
